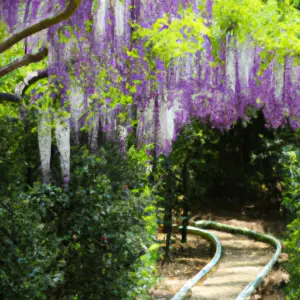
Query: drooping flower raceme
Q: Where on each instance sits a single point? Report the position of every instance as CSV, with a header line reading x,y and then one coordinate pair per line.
x,y
164,63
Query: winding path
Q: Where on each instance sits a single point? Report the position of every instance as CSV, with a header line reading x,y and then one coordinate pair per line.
x,y
247,258
242,260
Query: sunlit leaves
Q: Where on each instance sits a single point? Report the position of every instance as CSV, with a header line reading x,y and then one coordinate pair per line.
x,y
170,38
273,26
291,200
9,81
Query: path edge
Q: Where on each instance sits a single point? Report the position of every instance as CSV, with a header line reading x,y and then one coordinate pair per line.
x,y
253,285
191,282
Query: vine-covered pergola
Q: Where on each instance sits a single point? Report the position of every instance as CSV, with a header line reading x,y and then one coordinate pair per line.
x,y
151,66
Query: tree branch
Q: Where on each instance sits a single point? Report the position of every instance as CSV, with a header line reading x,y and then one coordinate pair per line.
x,y
5,97
23,86
24,61
43,24
29,80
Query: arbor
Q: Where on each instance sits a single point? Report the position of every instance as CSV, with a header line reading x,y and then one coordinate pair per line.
x,y
144,69
108,66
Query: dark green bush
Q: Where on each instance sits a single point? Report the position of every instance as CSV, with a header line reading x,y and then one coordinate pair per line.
x,y
293,265
291,200
11,152
89,242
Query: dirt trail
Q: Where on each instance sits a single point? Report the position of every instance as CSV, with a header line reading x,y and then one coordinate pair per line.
x,y
242,259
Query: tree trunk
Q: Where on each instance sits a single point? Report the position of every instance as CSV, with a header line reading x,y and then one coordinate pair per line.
x,y
185,218
169,205
167,230
29,175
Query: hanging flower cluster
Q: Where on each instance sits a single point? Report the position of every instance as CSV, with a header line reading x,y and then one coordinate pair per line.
x,y
163,63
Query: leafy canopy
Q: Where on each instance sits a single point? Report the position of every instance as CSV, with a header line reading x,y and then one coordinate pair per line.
x,y
273,25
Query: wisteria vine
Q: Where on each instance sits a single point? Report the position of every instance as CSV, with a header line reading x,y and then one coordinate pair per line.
x,y
159,64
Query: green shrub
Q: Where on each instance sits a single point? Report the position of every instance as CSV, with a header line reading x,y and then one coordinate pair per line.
x,y
90,242
293,246
291,200
12,158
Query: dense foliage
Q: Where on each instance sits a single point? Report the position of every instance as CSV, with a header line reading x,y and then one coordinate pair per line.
x,y
239,167
291,163
90,242
161,67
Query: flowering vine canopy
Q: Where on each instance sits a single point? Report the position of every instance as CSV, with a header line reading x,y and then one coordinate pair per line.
x,y
154,65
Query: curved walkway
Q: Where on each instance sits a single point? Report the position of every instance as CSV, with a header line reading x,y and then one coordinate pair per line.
x,y
242,260
215,241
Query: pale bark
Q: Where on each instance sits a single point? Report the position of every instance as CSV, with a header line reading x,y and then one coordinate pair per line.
x,y
62,133
30,79
21,88
76,104
44,140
